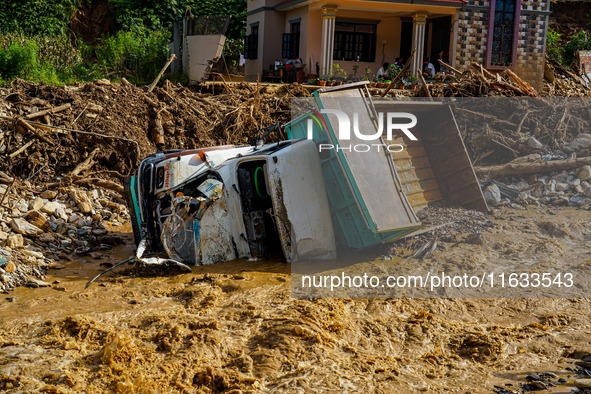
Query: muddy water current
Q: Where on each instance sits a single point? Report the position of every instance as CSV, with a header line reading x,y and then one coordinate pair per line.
x,y
235,326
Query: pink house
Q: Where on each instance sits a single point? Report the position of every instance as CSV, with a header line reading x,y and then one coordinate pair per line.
x,y
496,33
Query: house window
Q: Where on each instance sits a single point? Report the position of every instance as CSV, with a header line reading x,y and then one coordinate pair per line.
x,y
251,44
291,42
503,32
355,41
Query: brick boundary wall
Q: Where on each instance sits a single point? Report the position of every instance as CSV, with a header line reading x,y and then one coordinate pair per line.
x,y
473,37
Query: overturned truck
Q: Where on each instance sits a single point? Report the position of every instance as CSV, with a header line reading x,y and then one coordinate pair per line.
x,y
305,197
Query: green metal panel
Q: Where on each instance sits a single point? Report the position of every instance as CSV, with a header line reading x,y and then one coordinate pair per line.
x,y
349,222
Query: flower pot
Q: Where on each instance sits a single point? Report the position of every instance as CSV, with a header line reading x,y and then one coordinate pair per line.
x,y
413,87
329,83
338,83
373,84
322,83
401,86
380,84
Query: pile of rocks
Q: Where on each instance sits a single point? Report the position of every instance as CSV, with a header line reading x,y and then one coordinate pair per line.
x,y
38,229
566,188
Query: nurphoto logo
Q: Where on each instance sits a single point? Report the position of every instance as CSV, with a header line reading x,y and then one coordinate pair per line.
x,y
395,121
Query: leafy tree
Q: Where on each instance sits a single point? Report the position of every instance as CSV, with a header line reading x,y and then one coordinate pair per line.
x,y
159,14
553,49
36,17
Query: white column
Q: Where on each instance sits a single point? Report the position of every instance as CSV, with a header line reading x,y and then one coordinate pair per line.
x,y
418,42
329,14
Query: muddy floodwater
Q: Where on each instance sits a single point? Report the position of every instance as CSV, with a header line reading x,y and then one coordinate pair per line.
x,y
235,327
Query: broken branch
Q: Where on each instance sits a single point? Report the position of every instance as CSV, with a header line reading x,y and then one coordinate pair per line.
x,y
53,110
400,74
21,149
86,164
530,168
35,132
153,84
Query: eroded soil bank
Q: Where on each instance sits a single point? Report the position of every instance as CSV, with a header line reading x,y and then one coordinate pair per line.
x,y
235,326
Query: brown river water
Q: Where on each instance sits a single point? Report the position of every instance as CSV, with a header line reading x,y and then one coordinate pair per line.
x,y
235,327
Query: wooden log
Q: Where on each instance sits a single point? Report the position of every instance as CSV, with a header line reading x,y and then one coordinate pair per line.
x,y
425,87
97,182
153,84
5,178
125,82
526,87
530,168
30,128
48,111
86,164
483,71
21,149
444,64
158,130
400,74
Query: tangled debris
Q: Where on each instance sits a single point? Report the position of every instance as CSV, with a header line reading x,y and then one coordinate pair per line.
x,y
66,150
77,143
64,126
476,81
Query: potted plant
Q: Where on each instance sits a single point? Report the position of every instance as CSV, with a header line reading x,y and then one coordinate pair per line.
x,y
401,85
413,81
380,83
340,73
394,70
322,81
355,69
367,75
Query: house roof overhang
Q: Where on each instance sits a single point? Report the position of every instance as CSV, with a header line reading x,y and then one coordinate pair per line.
x,y
287,4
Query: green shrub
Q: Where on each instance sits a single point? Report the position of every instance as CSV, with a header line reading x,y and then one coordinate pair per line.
x,y
554,50
59,51
579,42
233,47
38,58
141,51
19,61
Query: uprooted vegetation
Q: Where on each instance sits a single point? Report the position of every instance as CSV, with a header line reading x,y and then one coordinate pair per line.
x,y
125,122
